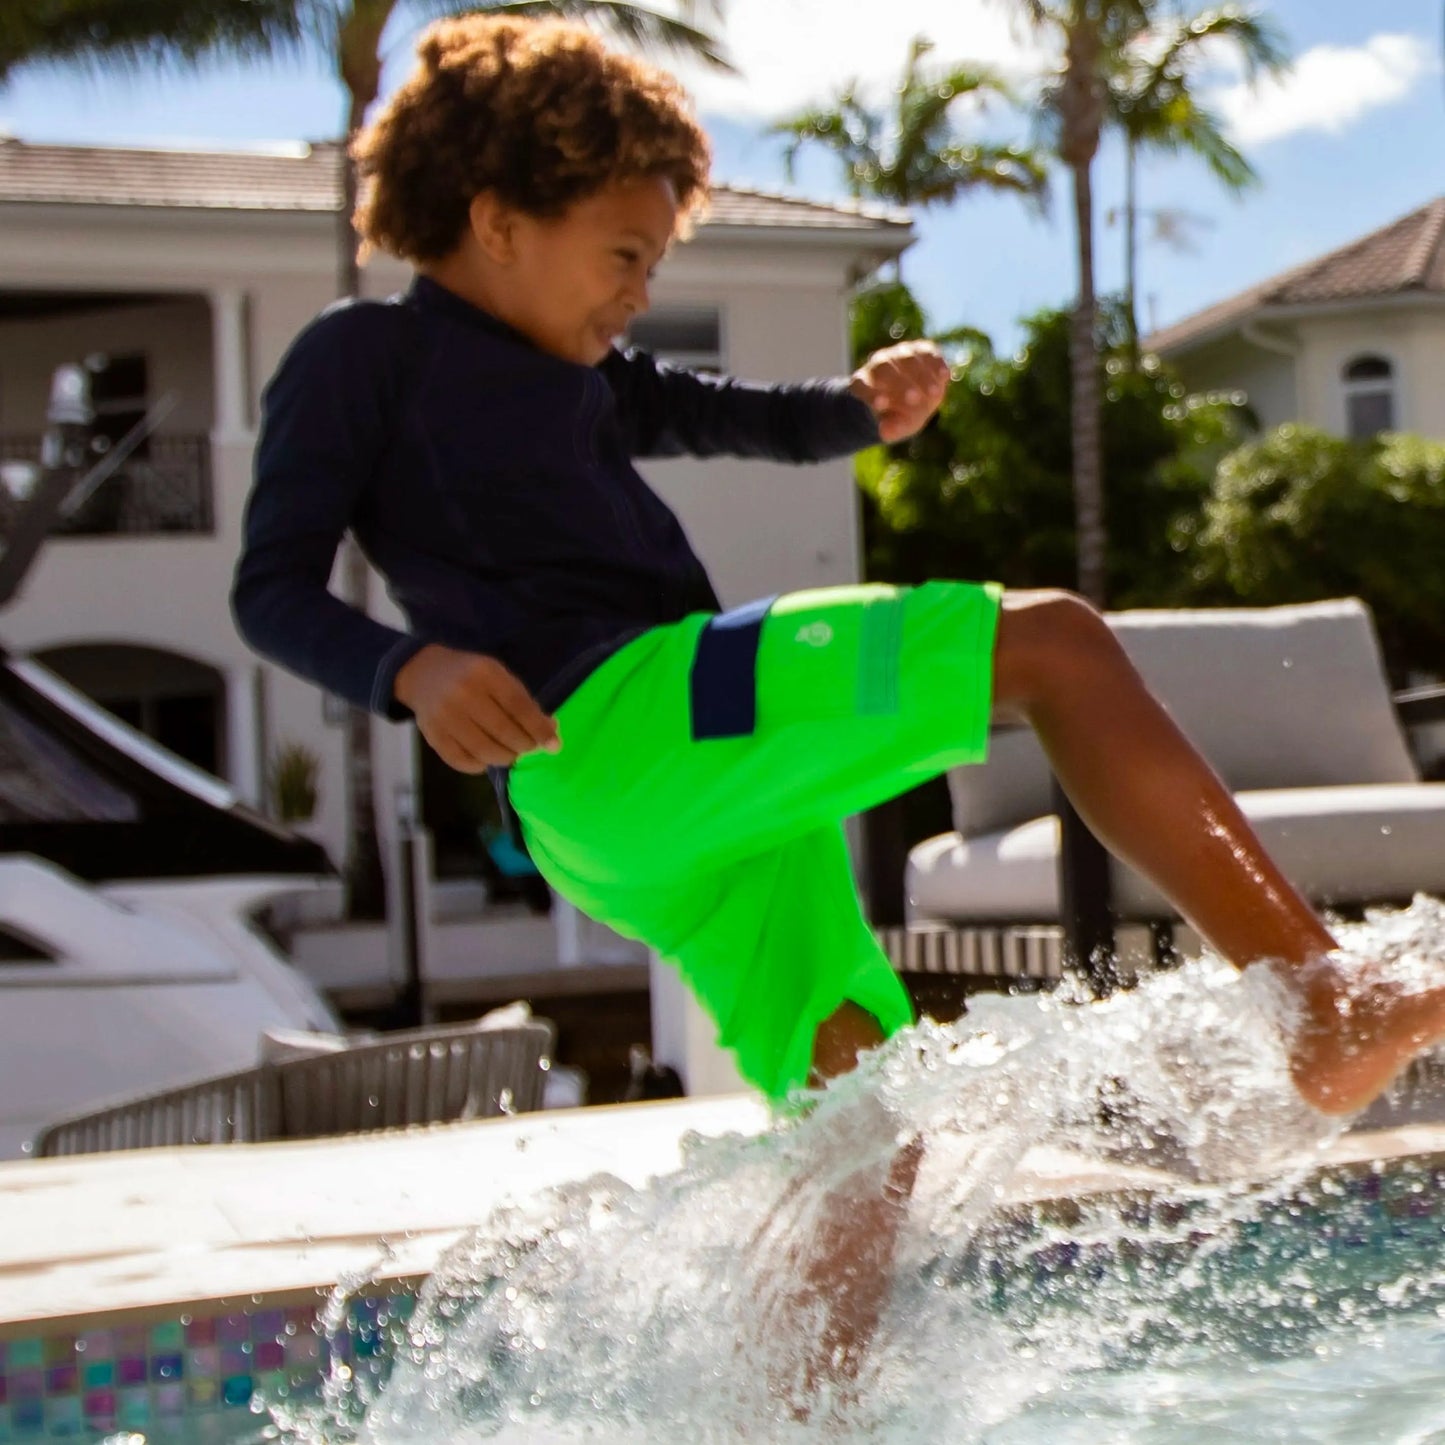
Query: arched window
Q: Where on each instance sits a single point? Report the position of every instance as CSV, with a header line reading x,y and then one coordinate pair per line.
x,y
1369,385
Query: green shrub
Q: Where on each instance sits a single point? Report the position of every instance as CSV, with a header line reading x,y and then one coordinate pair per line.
x,y
1301,514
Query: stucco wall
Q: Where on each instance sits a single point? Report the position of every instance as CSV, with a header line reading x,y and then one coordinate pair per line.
x,y
759,527
1412,339
1233,364
1309,386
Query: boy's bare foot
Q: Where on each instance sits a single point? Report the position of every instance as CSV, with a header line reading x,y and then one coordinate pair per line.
x,y
1359,1026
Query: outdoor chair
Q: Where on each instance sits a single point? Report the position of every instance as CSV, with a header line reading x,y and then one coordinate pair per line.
x,y
1292,707
421,1076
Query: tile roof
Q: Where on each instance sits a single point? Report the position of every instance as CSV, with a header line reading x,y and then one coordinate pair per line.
x,y
304,178
1405,257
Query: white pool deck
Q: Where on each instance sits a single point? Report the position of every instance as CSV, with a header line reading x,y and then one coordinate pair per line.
x,y
147,1234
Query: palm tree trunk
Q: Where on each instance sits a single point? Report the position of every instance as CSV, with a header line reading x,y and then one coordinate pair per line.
x,y
1131,251
364,878
348,271
1088,464
1082,104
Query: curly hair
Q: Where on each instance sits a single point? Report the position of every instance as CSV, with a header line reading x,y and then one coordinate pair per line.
x,y
540,113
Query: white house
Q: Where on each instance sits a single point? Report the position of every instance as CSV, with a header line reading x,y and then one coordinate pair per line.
x,y
187,273
1352,342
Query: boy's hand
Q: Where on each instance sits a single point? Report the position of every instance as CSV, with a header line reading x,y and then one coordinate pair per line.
x,y
473,712
904,385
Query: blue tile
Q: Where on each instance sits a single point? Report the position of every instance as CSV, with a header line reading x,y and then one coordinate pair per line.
x,y
236,1390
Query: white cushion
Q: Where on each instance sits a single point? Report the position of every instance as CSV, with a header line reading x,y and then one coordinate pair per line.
x,y
1274,697
1338,845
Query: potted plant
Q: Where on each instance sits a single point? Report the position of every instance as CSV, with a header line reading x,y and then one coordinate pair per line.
x,y
295,769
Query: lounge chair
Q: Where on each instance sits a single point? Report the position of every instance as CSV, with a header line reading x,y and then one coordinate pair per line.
x,y
422,1076
1292,707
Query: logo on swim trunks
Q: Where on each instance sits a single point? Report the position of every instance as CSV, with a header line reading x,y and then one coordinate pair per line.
x,y
815,634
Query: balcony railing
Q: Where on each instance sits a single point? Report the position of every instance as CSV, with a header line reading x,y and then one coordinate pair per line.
x,y
168,490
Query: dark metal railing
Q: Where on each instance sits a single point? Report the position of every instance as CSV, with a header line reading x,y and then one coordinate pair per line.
x,y
168,490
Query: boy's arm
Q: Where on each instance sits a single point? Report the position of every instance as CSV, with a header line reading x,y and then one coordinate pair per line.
x,y
668,410
326,418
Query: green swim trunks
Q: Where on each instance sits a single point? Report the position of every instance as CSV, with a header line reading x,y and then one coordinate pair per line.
x,y
696,803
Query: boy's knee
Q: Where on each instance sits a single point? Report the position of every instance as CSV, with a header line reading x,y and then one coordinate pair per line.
x,y
1049,639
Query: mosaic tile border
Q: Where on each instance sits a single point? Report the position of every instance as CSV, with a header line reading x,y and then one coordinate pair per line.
x,y
81,1386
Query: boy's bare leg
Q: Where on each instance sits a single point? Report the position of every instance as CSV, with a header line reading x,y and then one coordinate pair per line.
x,y
850,1262
843,1269
1156,804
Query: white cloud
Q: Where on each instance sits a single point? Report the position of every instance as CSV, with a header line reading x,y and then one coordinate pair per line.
x,y
795,52
1329,89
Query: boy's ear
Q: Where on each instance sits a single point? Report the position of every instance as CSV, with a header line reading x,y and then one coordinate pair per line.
x,y
494,226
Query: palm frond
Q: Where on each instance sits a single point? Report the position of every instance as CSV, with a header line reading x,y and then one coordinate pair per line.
x,y
104,35
847,127
924,101
633,25
922,121
957,168
828,128
1195,130
1258,42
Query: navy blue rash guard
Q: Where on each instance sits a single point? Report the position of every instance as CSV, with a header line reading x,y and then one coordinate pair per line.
x,y
492,486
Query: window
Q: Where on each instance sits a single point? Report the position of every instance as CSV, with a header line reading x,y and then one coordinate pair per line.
x,y
118,390
689,335
1369,384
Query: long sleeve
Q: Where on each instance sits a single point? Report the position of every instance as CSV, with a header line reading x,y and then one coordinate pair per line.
x,y
326,422
669,411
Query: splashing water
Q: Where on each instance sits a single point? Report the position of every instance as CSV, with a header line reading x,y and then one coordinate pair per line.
x,y
605,1312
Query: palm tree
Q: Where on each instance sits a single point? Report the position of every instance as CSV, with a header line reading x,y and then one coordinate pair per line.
x,y
1092,34
1103,75
130,33
913,155
1152,104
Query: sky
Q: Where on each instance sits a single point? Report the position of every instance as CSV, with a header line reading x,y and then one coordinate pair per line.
x,y
1350,140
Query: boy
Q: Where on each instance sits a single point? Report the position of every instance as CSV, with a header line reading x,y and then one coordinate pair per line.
x,y
679,774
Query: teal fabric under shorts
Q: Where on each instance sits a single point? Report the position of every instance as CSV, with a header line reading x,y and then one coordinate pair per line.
x,y
697,800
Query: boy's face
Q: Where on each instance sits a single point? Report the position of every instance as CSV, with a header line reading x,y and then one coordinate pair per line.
x,y
573,283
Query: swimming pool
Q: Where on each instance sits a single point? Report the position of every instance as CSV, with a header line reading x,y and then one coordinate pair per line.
x,y
1315,1313
1310,1306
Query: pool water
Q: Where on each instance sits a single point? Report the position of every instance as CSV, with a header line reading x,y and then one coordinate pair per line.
x,y
1315,1313
1308,1308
